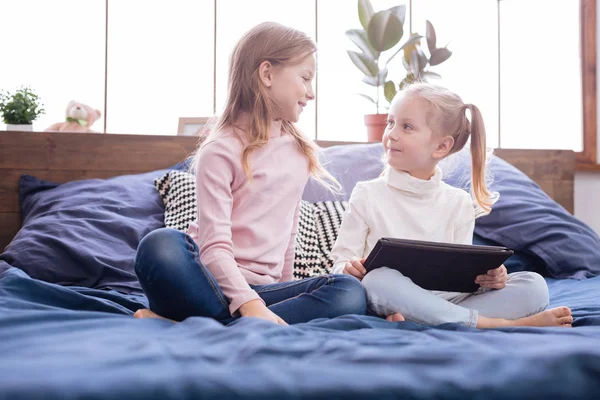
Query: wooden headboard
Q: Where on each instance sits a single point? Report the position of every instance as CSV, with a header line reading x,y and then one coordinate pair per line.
x,y
62,157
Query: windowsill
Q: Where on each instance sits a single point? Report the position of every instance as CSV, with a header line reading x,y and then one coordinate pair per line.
x,y
586,161
587,167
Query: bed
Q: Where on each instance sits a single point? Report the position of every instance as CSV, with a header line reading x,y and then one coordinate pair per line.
x,y
76,339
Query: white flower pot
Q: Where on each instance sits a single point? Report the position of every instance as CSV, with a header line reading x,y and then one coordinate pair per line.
x,y
24,127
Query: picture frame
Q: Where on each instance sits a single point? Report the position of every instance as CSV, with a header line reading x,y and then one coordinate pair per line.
x,y
192,126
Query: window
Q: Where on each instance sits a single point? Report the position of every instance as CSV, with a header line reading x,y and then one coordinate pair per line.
x,y
517,76
540,75
57,48
470,28
536,86
160,64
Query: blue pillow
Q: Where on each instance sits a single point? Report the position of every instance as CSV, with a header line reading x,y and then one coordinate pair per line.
x,y
85,233
518,262
524,219
349,164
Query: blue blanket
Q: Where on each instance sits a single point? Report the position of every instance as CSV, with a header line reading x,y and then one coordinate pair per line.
x,y
67,343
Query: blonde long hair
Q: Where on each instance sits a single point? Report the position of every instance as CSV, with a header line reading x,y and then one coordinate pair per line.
x,y
278,44
447,116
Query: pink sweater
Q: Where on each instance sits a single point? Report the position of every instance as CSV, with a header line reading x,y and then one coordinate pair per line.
x,y
246,230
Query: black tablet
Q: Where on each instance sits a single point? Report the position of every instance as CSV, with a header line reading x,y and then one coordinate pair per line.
x,y
437,266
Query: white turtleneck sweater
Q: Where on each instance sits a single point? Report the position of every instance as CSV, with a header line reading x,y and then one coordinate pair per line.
x,y
401,206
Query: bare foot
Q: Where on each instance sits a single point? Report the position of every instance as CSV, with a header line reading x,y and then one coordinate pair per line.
x,y
558,317
145,313
395,318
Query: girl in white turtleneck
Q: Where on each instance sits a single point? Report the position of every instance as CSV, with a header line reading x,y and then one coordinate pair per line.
x,y
426,123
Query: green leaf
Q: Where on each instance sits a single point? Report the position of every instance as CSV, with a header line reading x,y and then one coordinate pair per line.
x,y
370,80
365,12
405,82
409,79
439,56
411,42
367,97
414,63
422,60
376,81
405,62
364,63
431,38
389,91
399,12
360,39
410,46
431,74
385,30
417,61
22,107
382,75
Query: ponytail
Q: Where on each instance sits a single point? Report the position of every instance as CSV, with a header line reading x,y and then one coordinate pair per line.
x,y
478,159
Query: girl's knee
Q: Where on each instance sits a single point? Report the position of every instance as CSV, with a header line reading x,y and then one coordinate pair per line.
x,y
539,286
534,282
377,279
159,247
352,298
534,288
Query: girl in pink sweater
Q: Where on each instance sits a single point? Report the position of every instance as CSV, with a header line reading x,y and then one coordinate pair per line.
x,y
237,258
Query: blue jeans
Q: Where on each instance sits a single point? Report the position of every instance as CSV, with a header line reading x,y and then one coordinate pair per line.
x,y
178,286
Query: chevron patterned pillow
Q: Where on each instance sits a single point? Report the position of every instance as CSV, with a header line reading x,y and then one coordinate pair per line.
x,y
178,192
328,218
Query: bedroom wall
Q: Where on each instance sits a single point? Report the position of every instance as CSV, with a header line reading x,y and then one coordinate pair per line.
x,y
587,184
587,198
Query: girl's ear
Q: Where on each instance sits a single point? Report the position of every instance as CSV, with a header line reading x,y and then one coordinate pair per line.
x,y
444,147
265,73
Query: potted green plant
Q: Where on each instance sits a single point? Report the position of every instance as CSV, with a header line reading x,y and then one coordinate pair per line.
x,y
20,109
382,31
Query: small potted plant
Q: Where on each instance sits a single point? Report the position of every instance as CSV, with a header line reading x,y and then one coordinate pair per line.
x,y
383,31
20,109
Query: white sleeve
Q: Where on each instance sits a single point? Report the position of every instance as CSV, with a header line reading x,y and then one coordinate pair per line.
x,y
465,224
353,232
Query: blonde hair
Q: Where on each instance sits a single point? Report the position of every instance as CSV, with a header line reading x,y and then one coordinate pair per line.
x,y
277,44
447,116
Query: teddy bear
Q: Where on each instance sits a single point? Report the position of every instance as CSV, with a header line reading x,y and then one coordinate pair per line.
x,y
79,118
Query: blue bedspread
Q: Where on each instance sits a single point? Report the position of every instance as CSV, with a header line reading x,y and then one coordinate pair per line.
x,y
68,343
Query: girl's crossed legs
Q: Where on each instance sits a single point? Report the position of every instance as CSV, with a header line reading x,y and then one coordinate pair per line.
x,y
521,303
178,286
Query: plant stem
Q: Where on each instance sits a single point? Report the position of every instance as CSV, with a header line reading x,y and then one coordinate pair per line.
x,y
377,104
377,99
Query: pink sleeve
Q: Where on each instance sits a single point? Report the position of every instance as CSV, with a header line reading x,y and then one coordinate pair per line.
x,y
214,179
288,264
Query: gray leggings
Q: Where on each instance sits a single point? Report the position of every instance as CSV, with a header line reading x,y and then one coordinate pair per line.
x,y
388,291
